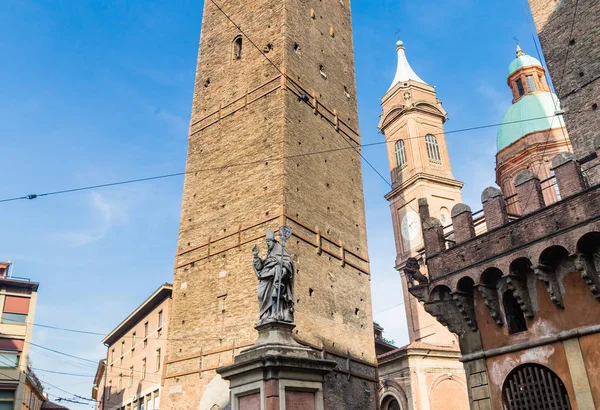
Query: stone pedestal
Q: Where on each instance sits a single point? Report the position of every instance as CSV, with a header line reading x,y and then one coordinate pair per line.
x,y
277,373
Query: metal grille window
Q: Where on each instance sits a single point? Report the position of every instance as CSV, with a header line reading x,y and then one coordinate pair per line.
x,y
400,152
433,149
534,387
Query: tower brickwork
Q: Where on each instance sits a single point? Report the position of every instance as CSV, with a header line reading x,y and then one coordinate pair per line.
x,y
568,31
425,374
292,124
413,125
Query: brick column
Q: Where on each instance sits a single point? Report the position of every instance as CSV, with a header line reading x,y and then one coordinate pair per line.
x,y
462,223
433,236
568,174
423,208
494,208
529,191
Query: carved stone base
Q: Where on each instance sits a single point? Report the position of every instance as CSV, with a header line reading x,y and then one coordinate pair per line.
x,y
276,372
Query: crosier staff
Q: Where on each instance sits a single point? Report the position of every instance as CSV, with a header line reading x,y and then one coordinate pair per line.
x,y
285,232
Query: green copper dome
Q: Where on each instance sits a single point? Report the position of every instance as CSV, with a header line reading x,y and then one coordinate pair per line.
x,y
532,113
522,61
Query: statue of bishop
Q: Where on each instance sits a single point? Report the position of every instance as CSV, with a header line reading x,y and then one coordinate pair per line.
x,y
275,273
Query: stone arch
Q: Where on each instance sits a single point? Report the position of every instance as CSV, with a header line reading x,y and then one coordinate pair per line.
x,y
516,300
488,289
448,391
589,243
463,296
587,261
439,293
391,391
553,265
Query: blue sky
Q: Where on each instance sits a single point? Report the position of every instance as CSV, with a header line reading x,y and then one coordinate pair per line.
x,y
100,91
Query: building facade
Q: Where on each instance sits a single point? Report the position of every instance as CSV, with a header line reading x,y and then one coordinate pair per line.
x,y
265,102
130,377
524,296
532,131
425,374
568,31
19,387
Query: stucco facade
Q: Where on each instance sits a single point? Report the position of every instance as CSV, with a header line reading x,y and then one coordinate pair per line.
x,y
18,298
523,297
130,376
413,125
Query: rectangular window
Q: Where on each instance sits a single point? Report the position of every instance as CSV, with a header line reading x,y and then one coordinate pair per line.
x,y
133,343
143,368
9,359
145,334
530,83
520,87
157,359
156,399
131,376
108,390
7,398
112,356
160,323
120,381
14,318
122,350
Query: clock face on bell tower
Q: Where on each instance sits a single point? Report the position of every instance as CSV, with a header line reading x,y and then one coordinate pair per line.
x,y
410,228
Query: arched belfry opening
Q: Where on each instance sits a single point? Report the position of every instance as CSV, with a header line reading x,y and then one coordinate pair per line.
x,y
533,386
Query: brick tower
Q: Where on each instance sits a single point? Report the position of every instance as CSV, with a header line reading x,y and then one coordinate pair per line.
x,y
413,124
271,117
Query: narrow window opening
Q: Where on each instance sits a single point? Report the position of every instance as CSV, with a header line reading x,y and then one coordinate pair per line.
x,y
237,48
520,87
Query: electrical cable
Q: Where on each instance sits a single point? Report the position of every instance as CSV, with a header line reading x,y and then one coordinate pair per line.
x,y
271,159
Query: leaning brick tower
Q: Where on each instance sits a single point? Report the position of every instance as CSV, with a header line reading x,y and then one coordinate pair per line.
x,y
286,115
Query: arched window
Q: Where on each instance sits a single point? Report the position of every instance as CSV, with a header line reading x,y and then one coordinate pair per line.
x,y
515,319
433,149
237,48
534,386
400,152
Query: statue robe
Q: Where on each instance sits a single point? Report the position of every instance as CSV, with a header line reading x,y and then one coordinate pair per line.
x,y
268,273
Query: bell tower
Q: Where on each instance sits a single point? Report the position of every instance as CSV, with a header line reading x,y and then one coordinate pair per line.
x,y
272,141
413,125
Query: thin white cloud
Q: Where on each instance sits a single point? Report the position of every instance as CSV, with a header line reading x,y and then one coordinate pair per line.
x,y
106,212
